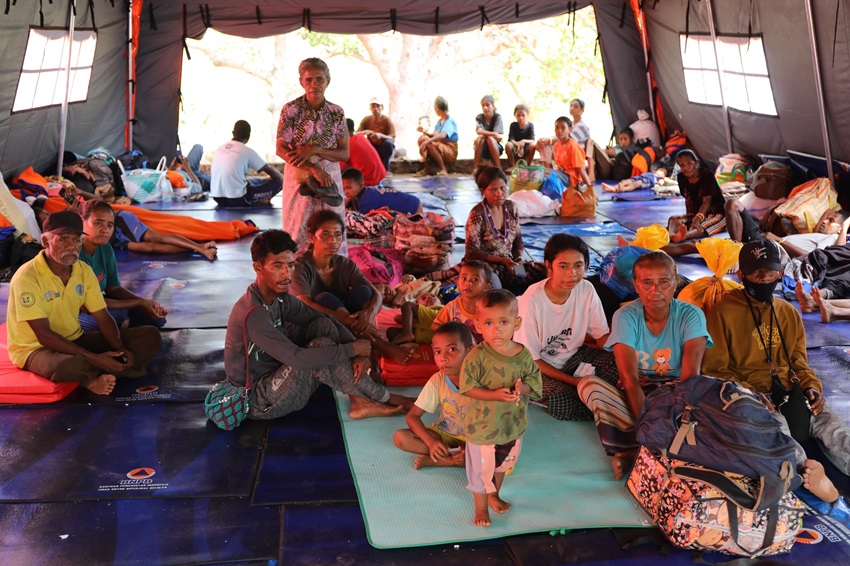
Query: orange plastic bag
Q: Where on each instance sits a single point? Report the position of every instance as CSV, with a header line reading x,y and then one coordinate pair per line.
x,y
720,256
652,237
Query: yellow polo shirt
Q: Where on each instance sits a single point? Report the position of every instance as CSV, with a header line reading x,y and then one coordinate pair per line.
x,y
36,292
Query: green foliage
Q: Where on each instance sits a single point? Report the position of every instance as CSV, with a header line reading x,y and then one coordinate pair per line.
x,y
333,44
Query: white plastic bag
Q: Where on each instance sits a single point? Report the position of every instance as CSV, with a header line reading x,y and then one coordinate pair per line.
x,y
533,204
147,185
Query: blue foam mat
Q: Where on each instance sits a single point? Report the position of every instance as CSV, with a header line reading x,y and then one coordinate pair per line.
x,y
337,535
152,450
304,457
819,334
195,303
150,531
166,266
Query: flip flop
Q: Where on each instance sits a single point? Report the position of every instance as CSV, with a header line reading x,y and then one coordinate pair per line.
x,y
330,194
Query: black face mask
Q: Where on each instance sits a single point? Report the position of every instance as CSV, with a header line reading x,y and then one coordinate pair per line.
x,y
760,291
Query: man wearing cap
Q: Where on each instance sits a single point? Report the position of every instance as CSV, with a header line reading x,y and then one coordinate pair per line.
x,y
757,336
45,299
380,131
229,182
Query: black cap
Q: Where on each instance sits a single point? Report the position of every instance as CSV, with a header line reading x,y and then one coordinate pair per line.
x,y
759,254
63,222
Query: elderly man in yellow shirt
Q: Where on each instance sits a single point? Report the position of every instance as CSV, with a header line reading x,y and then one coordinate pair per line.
x,y
45,299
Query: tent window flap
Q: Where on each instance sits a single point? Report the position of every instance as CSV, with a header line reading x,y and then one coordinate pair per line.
x,y
744,67
42,80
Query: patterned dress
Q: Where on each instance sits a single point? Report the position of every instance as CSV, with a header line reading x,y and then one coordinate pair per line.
x,y
301,125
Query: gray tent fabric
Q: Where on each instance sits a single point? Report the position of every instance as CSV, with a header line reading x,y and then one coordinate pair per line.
x,y
31,138
782,25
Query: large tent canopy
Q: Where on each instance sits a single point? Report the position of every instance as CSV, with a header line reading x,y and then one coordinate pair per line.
x,y
779,27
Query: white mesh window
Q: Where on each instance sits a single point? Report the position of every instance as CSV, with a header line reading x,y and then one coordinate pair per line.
x,y
745,78
42,81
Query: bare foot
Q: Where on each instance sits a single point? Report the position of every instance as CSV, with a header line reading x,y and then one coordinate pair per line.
x,y
622,462
362,408
497,504
102,385
610,188
621,242
442,173
424,461
825,307
807,303
680,234
400,354
403,338
732,270
401,401
815,480
482,518
209,250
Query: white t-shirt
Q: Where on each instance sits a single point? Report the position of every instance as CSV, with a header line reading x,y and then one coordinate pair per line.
x,y
811,242
553,333
441,396
229,171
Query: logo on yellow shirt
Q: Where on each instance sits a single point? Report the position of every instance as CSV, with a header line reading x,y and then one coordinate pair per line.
x,y
27,300
50,295
80,289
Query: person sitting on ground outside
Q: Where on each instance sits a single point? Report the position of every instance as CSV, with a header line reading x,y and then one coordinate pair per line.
x,y
380,130
493,234
564,328
439,148
472,281
499,376
363,156
563,154
489,130
704,203
127,309
580,130
416,320
229,182
758,336
441,443
365,199
521,143
45,298
294,348
656,339
333,284
613,162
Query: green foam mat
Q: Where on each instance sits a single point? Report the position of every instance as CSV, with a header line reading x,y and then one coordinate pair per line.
x,y
563,480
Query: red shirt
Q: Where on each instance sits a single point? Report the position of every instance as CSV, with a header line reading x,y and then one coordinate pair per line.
x,y
364,156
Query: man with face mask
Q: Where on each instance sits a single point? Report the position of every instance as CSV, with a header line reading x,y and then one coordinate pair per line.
x,y
759,340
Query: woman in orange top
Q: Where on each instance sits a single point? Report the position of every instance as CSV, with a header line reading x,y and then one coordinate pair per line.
x,y
563,154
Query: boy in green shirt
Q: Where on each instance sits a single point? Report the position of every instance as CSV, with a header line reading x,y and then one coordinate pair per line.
x,y
499,376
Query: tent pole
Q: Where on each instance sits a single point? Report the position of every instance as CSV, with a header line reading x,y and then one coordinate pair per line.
x,y
63,120
708,5
827,151
131,85
644,41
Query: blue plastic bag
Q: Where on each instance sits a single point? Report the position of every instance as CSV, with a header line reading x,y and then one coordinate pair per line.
x,y
616,270
552,186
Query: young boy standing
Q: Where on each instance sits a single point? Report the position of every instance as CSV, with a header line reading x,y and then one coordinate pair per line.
x,y
440,444
499,376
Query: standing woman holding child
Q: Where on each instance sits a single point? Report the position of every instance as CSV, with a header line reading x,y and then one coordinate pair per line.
x,y
312,138
489,129
493,234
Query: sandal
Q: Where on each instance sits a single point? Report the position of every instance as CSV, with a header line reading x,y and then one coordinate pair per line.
x,y
329,194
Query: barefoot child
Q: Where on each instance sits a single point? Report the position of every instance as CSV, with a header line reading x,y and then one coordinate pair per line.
x,y
473,279
416,320
499,376
440,444
365,199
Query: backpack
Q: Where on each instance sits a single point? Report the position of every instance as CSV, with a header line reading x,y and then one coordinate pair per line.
x,y
773,181
710,422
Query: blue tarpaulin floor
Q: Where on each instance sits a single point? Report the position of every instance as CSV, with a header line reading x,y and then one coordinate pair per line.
x,y
142,477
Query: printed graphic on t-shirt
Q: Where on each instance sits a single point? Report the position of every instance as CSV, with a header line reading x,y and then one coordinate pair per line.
x,y
655,366
559,342
766,333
